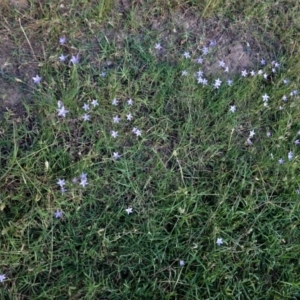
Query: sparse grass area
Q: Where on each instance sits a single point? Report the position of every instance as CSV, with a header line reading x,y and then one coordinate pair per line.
x,y
193,176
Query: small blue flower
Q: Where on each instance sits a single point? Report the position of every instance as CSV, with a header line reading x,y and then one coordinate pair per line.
x,y
37,79
74,59
2,277
62,40
58,214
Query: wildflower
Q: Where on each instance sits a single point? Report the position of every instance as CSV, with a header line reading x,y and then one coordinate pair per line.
x,y
205,50
273,70
2,277
232,108
58,214
62,40
134,129
265,97
249,142
265,76
212,43
129,210
130,102
83,176
280,161
74,180
266,104
181,263
186,54
115,102
295,92
262,62
116,155
114,134
297,142
199,73
276,64
103,74
59,104
199,60
86,117
217,83
268,134
251,134
62,57
95,102
219,241
244,73
226,70
280,107
259,72
62,112
252,73
229,82
286,81
86,106
158,46
222,64
116,119
184,73
129,117
74,59
138,132
290,155
83,182
204,81
37,79
284,98
61,182
63,190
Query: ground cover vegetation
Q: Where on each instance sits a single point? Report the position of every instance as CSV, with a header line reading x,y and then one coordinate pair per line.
x,y
149,150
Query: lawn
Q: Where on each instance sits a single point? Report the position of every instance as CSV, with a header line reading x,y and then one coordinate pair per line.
x,y
149,149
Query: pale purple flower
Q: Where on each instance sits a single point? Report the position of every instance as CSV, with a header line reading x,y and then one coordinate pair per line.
x,y
252,73
134,129
86,106
232,108
86,117
59,104
273,70
61,182
251,134
199,60
74,59
295,92
268,134
229,82
186,54
116,119
204,81
62,112
205,50
58,214
217,83
83,182
290,155
219,241
158,46
115,102
2,277
276,64
37,79
75,180
129,210
62,57
265,97
62,40
249,142
181,263
280,161
130,102
297,142
63,190
226,69
83,176
138,132
199,73
116,155
262,62
184,73
265,76
103,74
284,98
286,81
114,134
222,64
212,43
244,73
129,117
95,102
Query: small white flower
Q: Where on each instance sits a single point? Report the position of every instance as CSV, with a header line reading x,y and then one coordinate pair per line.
x,y
217,83
37,79
286,81
263,62
244,73
2,277
129,210
86,117
95,102
249,142
205,50
199,73
251,134
86,107
290,155
265,76
138,132
268,134
297,142
219,241
222,64
158,46
229,82
266,104
130,102
226,69
74,59
280,107
184,73
186,54
284,98
62,112
232,108
280,161
62,57
59,104
265,97
259,72
129,117
115,102
103,74
181,263
114,134
116,119
61,182
252,73
199,60
83,182
116,155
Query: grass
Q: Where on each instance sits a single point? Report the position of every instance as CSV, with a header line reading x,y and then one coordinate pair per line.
x,y
190,178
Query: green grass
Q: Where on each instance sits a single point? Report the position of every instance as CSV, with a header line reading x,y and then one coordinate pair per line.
x,y
190,178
